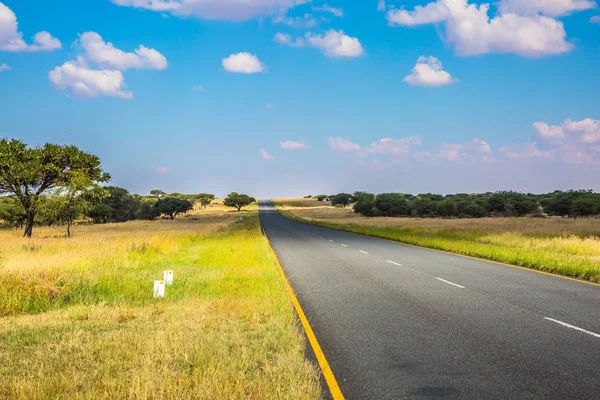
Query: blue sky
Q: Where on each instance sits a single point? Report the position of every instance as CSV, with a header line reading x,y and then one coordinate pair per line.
x,y
380,97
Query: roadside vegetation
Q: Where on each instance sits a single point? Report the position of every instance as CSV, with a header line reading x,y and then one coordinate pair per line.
x,y
568,246
77,314
78,320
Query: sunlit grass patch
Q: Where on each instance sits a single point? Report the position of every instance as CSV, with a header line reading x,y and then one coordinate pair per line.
x,y
79,319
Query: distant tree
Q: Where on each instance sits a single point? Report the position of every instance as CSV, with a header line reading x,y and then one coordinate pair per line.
x,y
205,199
148,210
308,197
392,204
444,208
364,204
584,207
510,204
422,207
76,197
28,172
157,193
341,199
13,213
173,206
100,213
238,201
321,197
124,206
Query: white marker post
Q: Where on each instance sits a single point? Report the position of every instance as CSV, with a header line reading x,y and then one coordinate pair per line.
x,y
159,288
168,277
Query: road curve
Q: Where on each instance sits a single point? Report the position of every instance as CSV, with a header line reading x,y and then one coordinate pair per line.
x,y
399,322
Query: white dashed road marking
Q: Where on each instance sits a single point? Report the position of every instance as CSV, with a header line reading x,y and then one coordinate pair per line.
x,y
572,327
345,245
450,283
364,252
395,263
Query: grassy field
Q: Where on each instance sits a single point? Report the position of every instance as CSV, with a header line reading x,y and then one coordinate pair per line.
x,y
565,246
77,317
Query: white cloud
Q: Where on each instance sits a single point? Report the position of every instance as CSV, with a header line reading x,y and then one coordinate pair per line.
x,y
88,83
469,28
429,72
265,155
585,131
551,8
243,63
549,132
469,152
336,44
342,145
338,12
97,71
381,5
283,38
294,145
589,129
231,10
595,19
394,146
4,67
105,55
198,88
306,21
12,40
573,142
523,151
429,14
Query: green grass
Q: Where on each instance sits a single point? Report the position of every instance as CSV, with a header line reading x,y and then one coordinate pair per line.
x,y
567,255
78,320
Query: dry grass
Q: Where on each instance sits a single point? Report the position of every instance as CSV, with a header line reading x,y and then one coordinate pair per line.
x,y
79,320
566,246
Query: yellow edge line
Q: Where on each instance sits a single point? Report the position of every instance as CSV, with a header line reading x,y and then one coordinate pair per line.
x,y
334,388
461,255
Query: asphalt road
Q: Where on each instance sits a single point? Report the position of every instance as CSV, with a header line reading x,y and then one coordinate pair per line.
x,y
399,322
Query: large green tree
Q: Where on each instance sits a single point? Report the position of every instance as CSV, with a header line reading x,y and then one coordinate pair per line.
x,y
28,172
236,200
172,206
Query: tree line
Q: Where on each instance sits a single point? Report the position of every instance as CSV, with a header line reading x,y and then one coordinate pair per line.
x,y
572,203
56,185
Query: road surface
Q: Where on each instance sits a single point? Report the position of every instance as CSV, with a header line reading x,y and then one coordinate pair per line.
x,y
399,322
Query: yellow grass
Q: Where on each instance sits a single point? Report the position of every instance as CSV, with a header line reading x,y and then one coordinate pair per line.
x,y
77,317
566,246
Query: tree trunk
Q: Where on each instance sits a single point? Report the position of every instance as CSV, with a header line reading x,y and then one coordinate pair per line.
x,y
69,229
29,224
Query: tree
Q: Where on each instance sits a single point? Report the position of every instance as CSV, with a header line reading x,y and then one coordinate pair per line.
x,y
172,206
583,207
365,204
341,199
148,211
13,213
321,197
238,201
100,213
392,204
157,193
124,206
28,172
205,199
